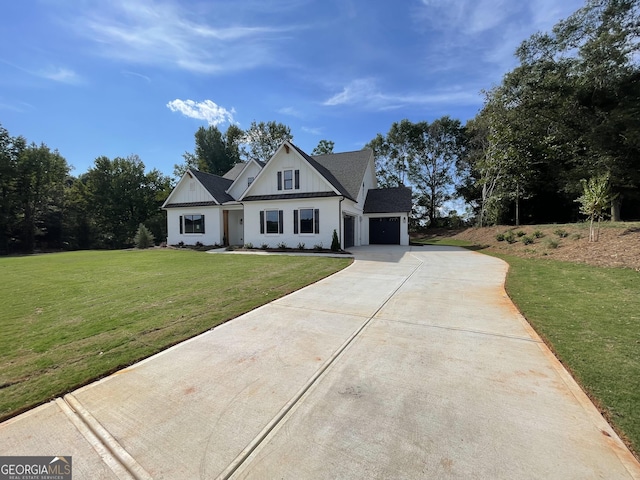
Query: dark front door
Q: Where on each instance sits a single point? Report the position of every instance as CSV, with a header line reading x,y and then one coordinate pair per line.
x,y
349,232
384,230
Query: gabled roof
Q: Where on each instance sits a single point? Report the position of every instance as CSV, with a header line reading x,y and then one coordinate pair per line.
x,y
388,200
347,168
235,171
215,185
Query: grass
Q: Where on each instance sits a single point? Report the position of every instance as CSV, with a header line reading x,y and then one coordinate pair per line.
x,y
69,318
590,317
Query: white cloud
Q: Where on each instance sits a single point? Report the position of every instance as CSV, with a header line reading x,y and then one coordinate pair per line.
x,y
312,130
291,111
206,110
170,35
365,93
60,74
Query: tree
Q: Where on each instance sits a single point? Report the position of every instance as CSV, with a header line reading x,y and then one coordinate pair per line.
x,y
122,196
394,153
436,148
595,199
261,140
144,238
324,147
10,149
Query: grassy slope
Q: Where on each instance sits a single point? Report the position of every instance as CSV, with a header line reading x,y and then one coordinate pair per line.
x,y
590,317
72,317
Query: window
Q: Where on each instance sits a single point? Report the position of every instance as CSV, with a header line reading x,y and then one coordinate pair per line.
x,y
290,178
271,221
250,181
306,220
192,224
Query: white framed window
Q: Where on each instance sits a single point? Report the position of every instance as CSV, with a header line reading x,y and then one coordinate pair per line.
x,y
306,221
192,223
289,179
250,181
271,222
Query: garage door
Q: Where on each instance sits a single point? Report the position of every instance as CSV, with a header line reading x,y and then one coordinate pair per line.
x,y
384,230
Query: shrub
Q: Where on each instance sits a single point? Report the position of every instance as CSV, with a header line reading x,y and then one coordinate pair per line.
x,y
301,246
521,233
248,246
561,233
318,246
576,236
335,243
552,243
538,234
143,238
527,240
200,245
264,246
282,246
510,237
500,237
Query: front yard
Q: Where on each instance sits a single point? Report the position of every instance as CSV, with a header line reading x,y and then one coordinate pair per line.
x,y
70,318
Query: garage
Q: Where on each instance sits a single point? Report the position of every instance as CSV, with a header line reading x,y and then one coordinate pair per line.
x,y
384,230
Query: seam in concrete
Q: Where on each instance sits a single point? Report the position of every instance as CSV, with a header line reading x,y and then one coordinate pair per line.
x,y
467,330
116,451
251,447
106,456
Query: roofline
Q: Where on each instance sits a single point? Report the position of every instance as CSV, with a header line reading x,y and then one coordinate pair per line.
x,y
246,165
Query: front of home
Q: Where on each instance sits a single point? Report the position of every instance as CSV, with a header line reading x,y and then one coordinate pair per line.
x,y
292,200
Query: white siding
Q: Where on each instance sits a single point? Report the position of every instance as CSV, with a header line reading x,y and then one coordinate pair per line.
x,y
212,226
190,190
329,220
310,180
241,183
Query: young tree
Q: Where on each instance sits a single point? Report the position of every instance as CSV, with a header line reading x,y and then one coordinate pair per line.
x,y
324,147
594,201
261,140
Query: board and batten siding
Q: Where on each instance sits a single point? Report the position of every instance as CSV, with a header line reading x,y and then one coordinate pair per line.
x,y
212,226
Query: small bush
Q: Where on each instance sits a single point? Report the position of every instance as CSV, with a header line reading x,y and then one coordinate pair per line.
x,y
143,238
538,234
527,240
576,236
199,244
264,246
500,237
561,233
521,233
552,243
318,246
282,246
335,243
301,246
248,246
510,237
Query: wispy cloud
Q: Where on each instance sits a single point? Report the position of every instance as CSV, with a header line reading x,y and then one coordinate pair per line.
x,y
207,110
137,75
56,74
365,93
169,35
312,130
291,112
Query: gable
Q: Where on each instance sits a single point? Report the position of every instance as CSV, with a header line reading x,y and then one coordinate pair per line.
x,y
249,171
199,188
297,177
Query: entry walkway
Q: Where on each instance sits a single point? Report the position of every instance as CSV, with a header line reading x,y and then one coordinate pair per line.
x,y
410,363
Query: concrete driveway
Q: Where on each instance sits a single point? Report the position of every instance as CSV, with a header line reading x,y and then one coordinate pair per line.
x,y
411,363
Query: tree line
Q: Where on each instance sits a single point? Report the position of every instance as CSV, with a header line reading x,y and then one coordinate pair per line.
x,y
567,117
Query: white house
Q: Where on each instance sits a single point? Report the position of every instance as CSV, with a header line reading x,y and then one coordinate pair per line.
x,y
292,199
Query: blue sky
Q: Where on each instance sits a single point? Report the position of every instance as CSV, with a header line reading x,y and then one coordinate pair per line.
x,y
121,77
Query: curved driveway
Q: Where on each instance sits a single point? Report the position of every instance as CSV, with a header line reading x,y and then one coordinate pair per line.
x,y
411,363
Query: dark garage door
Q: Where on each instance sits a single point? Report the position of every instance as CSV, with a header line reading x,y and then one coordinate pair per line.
x,y
384,230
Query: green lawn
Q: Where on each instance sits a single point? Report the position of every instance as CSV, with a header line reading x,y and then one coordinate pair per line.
x,y
69,318
590,318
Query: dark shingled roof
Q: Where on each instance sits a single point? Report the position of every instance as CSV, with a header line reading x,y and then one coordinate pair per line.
x,y
347,168
215,185
190,204
325,173
388,200
287,196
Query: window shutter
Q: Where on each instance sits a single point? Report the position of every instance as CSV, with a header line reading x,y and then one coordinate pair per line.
x,y
297,175
261,221
180,224
280,220
202,224
279,180
295,221
316,220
